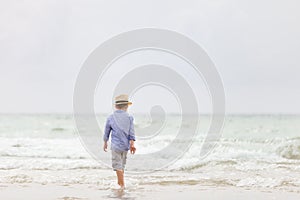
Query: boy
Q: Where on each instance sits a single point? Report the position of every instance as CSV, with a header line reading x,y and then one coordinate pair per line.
x,y
120,124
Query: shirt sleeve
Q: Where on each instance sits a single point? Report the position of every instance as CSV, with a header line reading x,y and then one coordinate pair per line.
x,y
107,130
131,130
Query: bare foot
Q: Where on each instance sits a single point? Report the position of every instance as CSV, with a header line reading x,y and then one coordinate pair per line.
x,y
122,188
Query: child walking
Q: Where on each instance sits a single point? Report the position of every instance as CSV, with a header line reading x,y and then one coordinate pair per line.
x,y
120,125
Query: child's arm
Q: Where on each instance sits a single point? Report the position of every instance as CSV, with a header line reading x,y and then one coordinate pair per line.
x,y
106,134
132,136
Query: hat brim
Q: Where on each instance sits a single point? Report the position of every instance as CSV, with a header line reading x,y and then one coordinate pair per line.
x,y
122,103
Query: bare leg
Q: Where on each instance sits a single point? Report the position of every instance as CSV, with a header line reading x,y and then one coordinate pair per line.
x,y
120,175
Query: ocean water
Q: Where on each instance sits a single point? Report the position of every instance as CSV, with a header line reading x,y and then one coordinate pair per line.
x,y
255,151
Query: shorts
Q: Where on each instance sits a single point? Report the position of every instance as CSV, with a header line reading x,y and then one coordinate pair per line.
x,y
118,159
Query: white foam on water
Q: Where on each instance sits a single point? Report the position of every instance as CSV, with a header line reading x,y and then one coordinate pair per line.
x,y
253,152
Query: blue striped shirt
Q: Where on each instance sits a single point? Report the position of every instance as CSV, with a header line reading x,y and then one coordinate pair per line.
x,y
119,138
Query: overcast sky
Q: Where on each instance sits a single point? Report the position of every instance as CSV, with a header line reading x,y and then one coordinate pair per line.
x,y
254,44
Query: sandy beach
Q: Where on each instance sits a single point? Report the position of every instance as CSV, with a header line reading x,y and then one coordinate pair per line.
x,y
78,192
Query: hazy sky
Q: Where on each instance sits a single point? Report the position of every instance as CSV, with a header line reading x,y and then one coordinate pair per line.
x,y
254,44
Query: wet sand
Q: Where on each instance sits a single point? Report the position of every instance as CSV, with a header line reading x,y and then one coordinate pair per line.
x,y
147,192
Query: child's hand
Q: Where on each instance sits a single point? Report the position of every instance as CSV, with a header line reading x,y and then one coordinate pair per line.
x,y
132,149
105,146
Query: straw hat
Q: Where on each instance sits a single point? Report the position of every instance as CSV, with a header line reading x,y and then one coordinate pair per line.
x,y
122,99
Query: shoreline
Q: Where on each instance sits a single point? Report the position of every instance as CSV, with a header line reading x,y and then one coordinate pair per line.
x,y
85,192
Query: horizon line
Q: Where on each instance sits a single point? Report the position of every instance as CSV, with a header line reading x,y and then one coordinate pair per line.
x,y
143,113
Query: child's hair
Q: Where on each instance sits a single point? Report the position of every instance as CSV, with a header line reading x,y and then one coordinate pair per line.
x,y
122,106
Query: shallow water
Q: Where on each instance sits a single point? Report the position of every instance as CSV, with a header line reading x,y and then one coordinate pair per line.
x,y
255,151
